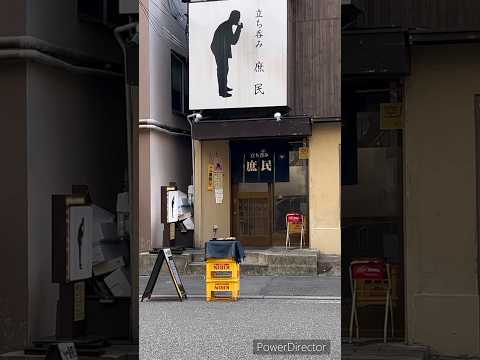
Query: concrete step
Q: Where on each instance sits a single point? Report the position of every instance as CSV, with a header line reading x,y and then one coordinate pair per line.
x,y
251,256
273,261
380,351
260,269
386,356
114,352
245,268
329,264
197,257
195,254
147,261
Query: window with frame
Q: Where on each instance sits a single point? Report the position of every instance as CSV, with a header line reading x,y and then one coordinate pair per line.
x,y
98,11
179,74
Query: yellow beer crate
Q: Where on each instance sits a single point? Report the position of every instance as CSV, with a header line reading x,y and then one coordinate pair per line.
x,y
222,269
223,290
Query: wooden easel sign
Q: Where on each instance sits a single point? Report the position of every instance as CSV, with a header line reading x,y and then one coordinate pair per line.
x,y
165,254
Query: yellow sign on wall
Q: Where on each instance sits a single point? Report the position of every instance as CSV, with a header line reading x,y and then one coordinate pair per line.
x,y
303,153
210,177
391,116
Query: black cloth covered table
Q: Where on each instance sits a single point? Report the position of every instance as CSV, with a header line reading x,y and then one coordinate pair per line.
x,y
221,249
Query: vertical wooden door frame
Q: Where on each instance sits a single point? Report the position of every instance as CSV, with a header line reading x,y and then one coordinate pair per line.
x,y
476,104
477,180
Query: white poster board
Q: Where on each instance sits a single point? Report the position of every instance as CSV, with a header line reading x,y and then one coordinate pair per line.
x,y
172,206
238,54
80,232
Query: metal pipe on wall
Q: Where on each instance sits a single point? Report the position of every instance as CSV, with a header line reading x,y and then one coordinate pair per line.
x,y
32,43
158,126
129,119
37,56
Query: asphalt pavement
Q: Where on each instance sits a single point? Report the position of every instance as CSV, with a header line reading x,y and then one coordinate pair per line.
x,y
196,330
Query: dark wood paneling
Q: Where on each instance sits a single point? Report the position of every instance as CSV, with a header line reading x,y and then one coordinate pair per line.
x,y
375,54
308,10
241,129
315,62
428,14
14,215
13,18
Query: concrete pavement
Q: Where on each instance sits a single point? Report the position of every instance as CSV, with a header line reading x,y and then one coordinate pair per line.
x,y
255,286
197,330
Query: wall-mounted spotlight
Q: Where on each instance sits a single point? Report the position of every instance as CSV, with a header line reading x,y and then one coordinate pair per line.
x,y
277,116
196,117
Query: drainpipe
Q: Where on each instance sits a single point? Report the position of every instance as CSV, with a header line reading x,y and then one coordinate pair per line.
x,y
193,156
39,57
129,118
158,126
33,43
41,51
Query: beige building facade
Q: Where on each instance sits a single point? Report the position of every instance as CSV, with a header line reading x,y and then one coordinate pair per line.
x,y
322,181
413,198
441,206
308,183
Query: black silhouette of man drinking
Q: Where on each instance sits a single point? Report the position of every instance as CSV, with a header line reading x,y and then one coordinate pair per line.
x,y
222,42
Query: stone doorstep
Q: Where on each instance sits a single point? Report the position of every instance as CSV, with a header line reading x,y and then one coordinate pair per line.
x,y
113,352
257,262
147,261
381,351
329,264
261,269
19,355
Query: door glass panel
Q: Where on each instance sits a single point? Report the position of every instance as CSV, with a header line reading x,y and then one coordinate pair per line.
x,y
291,196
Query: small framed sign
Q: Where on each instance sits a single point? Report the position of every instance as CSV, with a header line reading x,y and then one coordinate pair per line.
x,y
391,116
303,153
79,242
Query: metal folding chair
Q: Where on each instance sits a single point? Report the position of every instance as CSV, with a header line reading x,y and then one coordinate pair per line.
x,y
293,222
377,271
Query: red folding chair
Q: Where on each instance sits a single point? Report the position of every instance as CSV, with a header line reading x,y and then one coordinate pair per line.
x,y
295,224
376,274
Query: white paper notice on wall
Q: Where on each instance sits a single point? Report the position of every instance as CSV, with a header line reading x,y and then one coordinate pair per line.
x,y
218,179
238,54
219,196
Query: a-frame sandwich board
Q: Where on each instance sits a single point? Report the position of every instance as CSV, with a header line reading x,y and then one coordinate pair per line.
x,y
165,255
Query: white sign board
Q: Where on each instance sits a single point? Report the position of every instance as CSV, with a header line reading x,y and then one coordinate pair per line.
x,y
172,206
238,54
80,234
